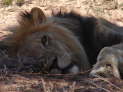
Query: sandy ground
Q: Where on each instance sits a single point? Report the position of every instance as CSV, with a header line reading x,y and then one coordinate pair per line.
x,y
109,9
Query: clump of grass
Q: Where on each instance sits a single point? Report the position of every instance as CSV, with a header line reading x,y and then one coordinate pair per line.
x,y
20,2
7,2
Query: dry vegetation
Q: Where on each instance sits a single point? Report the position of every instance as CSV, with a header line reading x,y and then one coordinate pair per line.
x,y
9,2
25,82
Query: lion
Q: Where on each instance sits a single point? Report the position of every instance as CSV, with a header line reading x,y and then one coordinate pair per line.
x,y
52,46
65,42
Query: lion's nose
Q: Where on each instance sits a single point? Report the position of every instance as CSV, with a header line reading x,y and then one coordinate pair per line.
x,y
49,62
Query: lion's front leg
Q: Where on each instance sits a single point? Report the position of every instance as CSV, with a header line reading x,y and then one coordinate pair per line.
x,y
109,62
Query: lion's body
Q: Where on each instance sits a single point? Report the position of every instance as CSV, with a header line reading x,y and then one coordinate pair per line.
x,y
93,34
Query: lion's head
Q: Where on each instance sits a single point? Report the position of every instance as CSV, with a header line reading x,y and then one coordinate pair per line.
x,y
53,47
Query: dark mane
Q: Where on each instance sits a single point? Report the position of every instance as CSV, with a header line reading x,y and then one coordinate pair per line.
x,y
84,31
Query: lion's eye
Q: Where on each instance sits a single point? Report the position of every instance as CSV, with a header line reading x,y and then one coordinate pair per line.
x,y
45,40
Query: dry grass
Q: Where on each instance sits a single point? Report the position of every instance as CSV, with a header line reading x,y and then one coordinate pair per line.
x,y
9,2
59,83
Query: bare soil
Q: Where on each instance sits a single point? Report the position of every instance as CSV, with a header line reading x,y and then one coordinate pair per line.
x,y
111,10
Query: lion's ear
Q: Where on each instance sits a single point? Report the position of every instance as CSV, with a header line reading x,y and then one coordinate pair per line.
x,y
38,15
35,17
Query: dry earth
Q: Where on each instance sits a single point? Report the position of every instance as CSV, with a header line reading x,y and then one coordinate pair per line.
x,y
112,10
